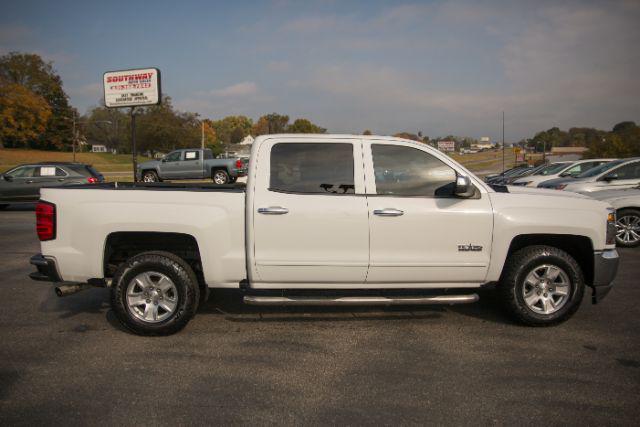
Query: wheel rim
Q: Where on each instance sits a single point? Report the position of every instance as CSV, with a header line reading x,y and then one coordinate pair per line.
x,y
546,289
152,297
220,177
148,177
628,229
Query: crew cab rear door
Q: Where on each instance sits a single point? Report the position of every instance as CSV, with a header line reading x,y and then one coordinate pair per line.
x,y
420,232
191,166
309,214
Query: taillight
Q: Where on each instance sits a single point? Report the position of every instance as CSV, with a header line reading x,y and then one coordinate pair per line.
x,y
239,164
92,180
46,221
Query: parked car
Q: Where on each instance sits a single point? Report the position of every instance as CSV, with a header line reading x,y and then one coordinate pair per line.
x,y
617,174
627,205
507,172
508,178
23,183
341,215
192,163
559,170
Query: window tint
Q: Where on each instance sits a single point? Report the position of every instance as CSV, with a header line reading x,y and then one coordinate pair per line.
x,y
599,169
406,171
173,157
630,171
191,155
312,168
23,172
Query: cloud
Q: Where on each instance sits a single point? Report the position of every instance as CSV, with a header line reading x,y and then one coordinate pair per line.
x,y
237,90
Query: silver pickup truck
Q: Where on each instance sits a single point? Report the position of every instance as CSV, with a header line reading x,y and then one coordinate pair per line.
x,y
192,163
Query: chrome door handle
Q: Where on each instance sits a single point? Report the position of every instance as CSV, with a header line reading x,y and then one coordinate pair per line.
x,y
29,181
273,210
388,212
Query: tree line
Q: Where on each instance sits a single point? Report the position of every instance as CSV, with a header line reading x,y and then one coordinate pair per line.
x,y
623,140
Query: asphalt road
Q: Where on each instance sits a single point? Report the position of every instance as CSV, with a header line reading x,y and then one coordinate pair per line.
x,y
67,360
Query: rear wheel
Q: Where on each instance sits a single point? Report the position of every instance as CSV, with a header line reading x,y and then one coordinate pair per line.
x,y
628,228
150,176
541,286
155,293
220,176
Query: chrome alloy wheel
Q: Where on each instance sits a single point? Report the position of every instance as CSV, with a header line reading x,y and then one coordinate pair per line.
x,y
220,177
149,177
152,297
628,229
546,289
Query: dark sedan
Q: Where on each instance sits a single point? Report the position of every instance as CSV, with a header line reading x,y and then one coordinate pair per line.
x,y
22,183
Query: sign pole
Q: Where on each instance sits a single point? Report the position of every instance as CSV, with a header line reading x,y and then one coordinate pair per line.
x,y
134,154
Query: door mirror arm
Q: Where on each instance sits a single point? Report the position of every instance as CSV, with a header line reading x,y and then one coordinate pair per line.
x,y
464,187
7,178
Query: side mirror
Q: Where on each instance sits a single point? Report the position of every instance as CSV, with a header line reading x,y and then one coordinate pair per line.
x,y
464,188
611,177
163,160
7,178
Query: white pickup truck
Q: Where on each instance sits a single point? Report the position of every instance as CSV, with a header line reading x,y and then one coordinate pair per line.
x,y
328,220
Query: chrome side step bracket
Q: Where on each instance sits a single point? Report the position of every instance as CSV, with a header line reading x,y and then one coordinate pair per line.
x,y
359,300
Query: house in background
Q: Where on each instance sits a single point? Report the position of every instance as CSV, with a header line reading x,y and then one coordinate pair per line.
x,y
99,148
559,154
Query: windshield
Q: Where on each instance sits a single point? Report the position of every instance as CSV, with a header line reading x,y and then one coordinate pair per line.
x,y
552,168
599,169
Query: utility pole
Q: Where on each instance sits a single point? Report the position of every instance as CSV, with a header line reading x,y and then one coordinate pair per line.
x,y
503,142
73,141
134,154
202,139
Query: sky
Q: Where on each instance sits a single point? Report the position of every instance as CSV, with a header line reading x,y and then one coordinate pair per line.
x,y
439,67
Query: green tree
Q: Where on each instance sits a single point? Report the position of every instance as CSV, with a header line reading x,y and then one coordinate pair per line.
x,y
270,124
304,126
107,126
23,115
231,129
30,71
367,132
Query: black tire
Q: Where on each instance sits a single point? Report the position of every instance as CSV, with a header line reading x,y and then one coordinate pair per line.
x,y
176,269
220,176
512,285
150,176
3,207
632,217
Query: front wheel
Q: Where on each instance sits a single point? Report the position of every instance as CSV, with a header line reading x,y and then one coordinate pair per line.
x,y
628,228
220,176
150,176
155,293
541,286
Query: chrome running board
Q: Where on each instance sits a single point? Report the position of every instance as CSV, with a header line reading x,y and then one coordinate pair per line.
x,y
359,300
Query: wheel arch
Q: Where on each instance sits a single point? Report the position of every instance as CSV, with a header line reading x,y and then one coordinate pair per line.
x,y
122,245
579,247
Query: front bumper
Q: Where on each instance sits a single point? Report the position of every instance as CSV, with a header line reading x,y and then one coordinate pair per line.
x,y
47,270
605,267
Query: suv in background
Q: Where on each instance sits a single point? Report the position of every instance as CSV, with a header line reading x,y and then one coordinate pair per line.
x,y
23,183
615,175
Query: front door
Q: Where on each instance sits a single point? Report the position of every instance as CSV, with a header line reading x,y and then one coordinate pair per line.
x,y
20,184
420,232
309,215
170,165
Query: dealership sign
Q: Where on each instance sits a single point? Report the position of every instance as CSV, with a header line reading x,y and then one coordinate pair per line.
x,y
132,88
447,146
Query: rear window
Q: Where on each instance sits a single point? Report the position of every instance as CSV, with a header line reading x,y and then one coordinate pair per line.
x,y
312,168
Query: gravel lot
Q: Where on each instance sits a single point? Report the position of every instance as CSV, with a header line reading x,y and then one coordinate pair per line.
x,y
67,360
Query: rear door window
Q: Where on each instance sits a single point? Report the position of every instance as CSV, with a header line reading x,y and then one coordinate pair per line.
x,y
191,155
312,168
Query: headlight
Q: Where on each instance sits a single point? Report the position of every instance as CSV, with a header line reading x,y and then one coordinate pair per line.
x,y
611,226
